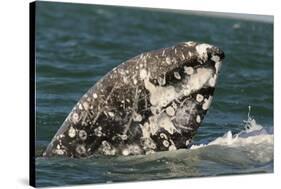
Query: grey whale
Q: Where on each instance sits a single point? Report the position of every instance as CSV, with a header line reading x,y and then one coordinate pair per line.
x,y
153,102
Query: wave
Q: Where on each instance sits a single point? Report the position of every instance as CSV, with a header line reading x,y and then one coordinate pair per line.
x,y
255,141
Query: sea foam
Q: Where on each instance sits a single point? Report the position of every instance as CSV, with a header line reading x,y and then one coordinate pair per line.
x,y
252,135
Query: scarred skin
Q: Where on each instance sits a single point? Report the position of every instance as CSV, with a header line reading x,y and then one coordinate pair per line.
x,y
153,102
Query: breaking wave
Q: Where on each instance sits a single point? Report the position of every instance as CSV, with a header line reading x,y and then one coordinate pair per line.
x,y
255,141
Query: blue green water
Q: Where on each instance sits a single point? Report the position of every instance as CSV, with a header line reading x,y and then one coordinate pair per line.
x,y
77,44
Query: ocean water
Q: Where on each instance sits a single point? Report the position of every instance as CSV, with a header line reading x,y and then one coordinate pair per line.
x,y
77,44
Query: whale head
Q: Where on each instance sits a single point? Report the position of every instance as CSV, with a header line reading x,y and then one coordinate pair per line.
x,y
181,86
153,102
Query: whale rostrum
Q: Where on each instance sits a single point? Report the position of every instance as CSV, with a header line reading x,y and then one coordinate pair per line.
x,y
153,102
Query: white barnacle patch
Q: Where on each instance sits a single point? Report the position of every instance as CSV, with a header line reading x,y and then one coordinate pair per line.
x,y
218,66
143,74
202,51
86,105
82,135
107,149
80,149
177,75
160,96
148,143
182,57
75,117
111,114
188,70
123,137
162,80
174,105
212,81
98,131
125,152
80,106
200,78
135,81
59,152
186,90
153,124
61,135
121,71
207,103
145,130
198,119
71,132
168,60
163,135
172,147
166,123
199,98
166,143
125,79
170,111
215,58
95,96
137,117
134,149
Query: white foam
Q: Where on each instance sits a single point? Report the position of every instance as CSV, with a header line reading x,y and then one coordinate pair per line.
x,y
256,135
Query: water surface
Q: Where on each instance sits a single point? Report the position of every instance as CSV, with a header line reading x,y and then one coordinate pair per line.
x,y
77,44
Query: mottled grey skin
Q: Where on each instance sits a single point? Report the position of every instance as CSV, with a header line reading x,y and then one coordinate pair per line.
x,y
153,102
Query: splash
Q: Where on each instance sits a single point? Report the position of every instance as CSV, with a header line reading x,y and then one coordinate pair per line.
x,y
250,124
253,134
